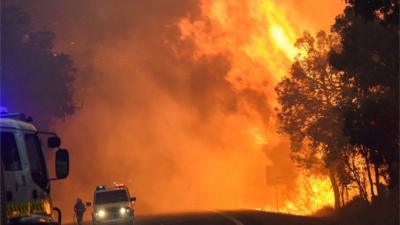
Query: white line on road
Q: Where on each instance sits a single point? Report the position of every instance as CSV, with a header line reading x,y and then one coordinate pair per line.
x,y
231,218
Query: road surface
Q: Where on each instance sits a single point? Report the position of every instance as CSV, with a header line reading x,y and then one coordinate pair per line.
x,y
249,217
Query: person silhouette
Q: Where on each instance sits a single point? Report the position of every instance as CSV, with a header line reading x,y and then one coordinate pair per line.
x,y
79,210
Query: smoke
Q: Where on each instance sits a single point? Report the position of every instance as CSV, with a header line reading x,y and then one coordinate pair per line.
x,y
158,116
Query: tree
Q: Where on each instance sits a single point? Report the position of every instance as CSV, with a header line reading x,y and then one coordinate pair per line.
x,y
310,111
369,60
34,78
383,11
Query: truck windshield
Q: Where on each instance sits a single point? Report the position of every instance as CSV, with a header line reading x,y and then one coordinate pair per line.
x,y
9,152
111,197
36,161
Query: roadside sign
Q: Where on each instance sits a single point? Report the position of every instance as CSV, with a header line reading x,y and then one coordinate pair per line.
x,y
277,174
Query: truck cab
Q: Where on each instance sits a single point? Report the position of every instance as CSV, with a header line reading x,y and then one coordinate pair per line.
x,y
113,206
25,180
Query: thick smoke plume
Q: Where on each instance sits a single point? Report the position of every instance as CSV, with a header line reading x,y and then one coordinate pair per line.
x,y
157,115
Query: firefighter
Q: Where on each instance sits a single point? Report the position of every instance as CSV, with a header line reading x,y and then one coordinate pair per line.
x,y
79,209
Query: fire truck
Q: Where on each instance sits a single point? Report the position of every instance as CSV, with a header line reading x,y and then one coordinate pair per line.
x,y
25,183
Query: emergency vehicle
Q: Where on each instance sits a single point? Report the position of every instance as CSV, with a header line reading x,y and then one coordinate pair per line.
x,y
25,180
112,206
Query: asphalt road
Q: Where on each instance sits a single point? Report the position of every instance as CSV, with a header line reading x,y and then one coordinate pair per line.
x,y
227,218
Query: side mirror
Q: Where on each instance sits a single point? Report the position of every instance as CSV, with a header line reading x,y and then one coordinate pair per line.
x,y
133,199
62,163
53,142
88,204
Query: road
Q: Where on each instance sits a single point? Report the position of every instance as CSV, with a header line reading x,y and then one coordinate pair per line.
x,y
248,217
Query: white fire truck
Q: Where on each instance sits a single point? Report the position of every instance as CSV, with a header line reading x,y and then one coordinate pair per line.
x,y
25,188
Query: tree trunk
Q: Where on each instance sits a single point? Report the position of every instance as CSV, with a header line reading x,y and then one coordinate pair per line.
x,y
357,179
335,187
361,190
342,195
364,184
371,182
377,184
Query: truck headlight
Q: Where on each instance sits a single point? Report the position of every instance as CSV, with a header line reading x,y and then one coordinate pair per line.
x,y
101,213
123,211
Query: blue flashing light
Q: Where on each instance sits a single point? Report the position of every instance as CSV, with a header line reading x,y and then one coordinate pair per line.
x,y
3,110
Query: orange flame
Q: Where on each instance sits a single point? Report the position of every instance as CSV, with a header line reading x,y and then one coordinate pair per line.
x,y
256,34
314,194
259,41
258,38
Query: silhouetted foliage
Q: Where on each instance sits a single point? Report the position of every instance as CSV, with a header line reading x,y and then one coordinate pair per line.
x,y
34,79
385,11
342,99
310,112
316,104
360,212
369,60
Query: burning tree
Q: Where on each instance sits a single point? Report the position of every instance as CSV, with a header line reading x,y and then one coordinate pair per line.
x,y
341,98
310,107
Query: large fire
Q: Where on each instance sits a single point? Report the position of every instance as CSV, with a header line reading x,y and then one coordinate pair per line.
x,y
259,38
198,130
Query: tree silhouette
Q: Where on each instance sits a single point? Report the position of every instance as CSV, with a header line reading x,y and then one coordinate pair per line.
x,y
369,60
341,98
310,112
384,11
34,79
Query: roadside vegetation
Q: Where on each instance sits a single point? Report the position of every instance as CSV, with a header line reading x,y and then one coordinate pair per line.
x,y
35,79
340,107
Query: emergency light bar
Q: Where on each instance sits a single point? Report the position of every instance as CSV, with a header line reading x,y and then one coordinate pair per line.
x,y
17,116
119,185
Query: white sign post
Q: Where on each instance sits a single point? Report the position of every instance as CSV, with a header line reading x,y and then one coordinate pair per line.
x,y
275,176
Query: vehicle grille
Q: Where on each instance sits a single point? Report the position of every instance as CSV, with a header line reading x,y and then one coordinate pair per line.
x,y
113,212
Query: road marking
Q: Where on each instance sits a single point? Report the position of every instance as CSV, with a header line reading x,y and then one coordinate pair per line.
x,y
231,218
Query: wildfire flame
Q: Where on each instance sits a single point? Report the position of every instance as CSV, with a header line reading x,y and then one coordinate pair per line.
x,y
174,134
314,193
256,34
258,38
